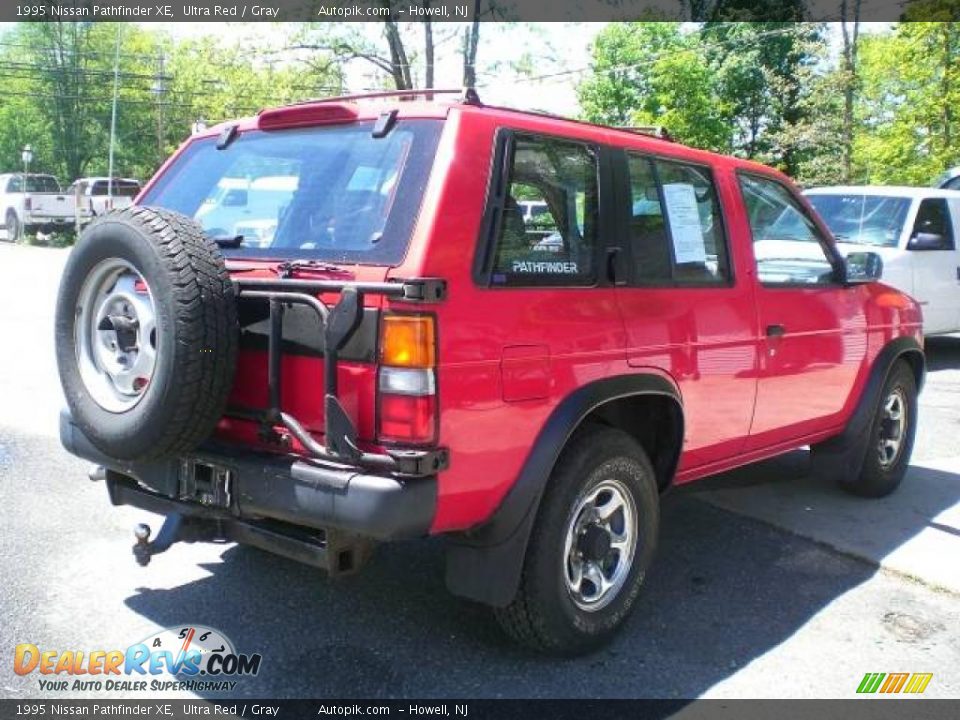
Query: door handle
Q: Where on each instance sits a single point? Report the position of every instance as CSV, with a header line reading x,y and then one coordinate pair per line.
x,y
613,271
776,331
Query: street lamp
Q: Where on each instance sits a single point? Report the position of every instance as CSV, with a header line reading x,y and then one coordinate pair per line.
x,y
27,156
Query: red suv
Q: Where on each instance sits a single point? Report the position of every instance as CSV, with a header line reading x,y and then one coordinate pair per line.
x,y
359,319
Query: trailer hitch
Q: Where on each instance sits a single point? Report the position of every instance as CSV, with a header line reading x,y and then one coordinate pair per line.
x,y
176,528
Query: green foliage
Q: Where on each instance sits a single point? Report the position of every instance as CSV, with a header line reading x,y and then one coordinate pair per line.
x,y
908,130
622,81
775,92
683,98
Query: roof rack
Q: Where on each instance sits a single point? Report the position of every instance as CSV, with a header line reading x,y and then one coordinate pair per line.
x,y
467,95
657,131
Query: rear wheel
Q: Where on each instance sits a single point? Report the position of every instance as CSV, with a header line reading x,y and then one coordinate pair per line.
x,y
591,546
12,223
891,438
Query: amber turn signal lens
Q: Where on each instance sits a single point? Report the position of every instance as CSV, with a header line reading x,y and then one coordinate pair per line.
x,y
408,341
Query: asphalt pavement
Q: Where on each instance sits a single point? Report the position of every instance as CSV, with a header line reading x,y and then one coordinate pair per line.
x,y
768,582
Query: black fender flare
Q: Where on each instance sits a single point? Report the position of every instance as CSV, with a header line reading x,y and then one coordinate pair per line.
x,y
842,456
484,564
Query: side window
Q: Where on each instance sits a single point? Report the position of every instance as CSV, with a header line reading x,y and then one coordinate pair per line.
x,y
787,245
650,238
15,185
692,213
548,233
933,218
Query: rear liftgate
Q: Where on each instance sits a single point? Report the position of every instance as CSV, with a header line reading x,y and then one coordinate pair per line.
x,y
206,488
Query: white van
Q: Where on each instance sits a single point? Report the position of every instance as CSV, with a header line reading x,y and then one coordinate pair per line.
x,y
915,230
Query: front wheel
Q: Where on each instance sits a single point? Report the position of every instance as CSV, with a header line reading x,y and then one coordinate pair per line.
x,y
892,433
591,546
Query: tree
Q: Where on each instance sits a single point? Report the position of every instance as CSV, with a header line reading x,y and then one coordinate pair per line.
x,y
683,98
620,83
850,29
759,66
391,52
58,92
906,119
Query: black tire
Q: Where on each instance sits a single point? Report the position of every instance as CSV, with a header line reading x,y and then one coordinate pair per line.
x,y
543,615
875,478
196,342
12,223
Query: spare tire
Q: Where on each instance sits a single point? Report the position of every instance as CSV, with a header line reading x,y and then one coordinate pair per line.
x,y
146,333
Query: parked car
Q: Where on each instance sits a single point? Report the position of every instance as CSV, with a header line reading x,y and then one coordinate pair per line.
x,y
32,203
96,197
914,230
950,180
400,360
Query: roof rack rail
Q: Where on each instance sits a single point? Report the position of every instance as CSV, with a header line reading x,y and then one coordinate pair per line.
x,y
657,131
467,95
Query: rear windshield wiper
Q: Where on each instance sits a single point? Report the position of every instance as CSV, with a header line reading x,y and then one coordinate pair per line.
x,y
228,241
286,269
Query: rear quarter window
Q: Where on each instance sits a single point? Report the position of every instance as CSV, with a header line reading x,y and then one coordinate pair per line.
x,y
547,228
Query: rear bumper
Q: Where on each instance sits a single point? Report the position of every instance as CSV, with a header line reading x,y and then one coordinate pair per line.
x,y
47,221
263,486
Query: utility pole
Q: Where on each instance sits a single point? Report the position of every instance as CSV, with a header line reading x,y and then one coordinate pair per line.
x,y
113,117
159,89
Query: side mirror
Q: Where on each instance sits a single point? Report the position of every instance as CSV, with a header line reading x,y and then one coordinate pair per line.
x,y
862,267
927,241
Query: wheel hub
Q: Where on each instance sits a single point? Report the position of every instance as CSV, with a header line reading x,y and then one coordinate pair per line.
x,y
594,543
893,428
116,335
601,541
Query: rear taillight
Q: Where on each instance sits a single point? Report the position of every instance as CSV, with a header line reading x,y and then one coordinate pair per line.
x,y
28,203
407,380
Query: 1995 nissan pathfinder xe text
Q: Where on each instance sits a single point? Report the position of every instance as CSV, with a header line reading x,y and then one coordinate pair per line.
x,y
397,349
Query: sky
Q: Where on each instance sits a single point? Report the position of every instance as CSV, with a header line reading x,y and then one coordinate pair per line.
x,y
543,48
546,47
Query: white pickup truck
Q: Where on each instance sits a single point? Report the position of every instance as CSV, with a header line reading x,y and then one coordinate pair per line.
x,y
94,198
32,203
916,232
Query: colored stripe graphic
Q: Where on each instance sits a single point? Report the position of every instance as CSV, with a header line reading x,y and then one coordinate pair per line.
x,y
870,682
894,683
918,683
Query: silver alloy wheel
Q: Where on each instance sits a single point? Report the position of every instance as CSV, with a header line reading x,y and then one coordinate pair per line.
x,y
601,541
893,428
115,332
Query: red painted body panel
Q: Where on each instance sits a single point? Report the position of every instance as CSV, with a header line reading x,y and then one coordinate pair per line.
x,y
508,357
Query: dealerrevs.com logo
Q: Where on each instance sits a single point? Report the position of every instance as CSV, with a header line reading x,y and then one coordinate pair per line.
x,y
188,657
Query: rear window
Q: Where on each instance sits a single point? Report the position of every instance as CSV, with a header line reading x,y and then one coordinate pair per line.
x,y
121,188
35,184
332,193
